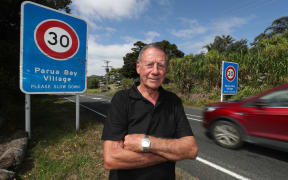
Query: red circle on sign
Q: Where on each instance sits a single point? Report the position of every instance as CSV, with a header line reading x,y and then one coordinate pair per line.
x,y
230,73
40,41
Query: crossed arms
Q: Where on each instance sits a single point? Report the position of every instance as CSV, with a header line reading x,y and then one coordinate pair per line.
x,y
128,154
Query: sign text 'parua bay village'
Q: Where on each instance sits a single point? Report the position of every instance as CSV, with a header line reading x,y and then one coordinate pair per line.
x,y
50,75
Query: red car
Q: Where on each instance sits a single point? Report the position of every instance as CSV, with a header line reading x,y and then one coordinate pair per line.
x,y
261,119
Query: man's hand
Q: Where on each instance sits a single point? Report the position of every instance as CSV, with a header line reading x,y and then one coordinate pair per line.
x,y
171,149
132,142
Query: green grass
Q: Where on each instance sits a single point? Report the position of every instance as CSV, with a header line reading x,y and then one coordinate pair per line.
x,y
183,175
111,93
198,97
93,90
56,151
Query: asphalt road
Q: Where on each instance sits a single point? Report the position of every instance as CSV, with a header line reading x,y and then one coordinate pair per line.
x,y
215,162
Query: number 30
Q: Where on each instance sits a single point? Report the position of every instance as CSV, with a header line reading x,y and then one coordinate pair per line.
x,y
61,40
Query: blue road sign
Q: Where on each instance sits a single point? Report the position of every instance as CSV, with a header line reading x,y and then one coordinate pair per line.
x,y
229,78
53,51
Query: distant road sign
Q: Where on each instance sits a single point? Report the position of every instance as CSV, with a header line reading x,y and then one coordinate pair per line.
x,y
230,73
229,78
53,51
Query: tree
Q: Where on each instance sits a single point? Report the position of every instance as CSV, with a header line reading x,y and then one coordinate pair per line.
x,y
129,68
171,49
227,44
10,40
278,26
220,43
93,83
181,73
238,46
257,39
115,75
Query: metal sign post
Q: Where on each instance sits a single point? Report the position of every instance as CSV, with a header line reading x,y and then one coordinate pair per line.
x,y
28,114
77,112
229,79
53,53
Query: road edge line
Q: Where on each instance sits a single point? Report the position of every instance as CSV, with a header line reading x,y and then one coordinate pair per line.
x,y
221,169
88,108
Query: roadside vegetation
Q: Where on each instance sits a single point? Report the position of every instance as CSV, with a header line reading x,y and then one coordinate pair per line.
x,y
196,78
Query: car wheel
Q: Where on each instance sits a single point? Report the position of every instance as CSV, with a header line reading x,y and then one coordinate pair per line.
x,y
226,134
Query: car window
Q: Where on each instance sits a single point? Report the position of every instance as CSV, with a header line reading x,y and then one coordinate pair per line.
x,y
276,98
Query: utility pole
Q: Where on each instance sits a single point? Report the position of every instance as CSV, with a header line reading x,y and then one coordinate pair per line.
x,y
107,72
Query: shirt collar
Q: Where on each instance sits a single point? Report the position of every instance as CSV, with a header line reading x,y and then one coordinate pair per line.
x,y
134,92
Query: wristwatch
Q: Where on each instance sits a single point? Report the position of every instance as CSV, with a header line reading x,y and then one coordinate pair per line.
x,y
146,143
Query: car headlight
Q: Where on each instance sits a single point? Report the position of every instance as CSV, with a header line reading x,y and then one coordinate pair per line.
x,y
210,109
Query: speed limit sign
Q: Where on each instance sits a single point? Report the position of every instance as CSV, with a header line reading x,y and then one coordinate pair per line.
x,y
230,73
56,39
53,52
229,78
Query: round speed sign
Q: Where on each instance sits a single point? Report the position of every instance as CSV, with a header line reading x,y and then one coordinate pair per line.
x,y
56,39
230,73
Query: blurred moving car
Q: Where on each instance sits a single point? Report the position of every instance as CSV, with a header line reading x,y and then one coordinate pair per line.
x,y
261,119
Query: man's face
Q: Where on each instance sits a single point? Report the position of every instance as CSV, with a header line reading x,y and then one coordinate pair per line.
x,y
153,67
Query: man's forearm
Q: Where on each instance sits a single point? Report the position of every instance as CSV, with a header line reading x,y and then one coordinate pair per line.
x,y
116,157
171,149
174,149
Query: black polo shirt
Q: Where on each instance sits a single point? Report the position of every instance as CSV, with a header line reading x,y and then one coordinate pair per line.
x,y
131,113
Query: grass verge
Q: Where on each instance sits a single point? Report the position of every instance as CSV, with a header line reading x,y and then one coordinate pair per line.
x,y
57,151
93,91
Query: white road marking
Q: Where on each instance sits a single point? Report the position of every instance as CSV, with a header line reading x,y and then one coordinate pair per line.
x,y
221,169
199,120
88,108
193,115
97,98
190,118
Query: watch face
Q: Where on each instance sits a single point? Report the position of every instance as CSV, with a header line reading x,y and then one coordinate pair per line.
x,y
145,143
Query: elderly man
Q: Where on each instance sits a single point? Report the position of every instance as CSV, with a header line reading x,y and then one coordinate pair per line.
x,y
147,130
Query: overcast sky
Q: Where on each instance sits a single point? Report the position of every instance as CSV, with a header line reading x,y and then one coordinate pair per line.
x,y
115,25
